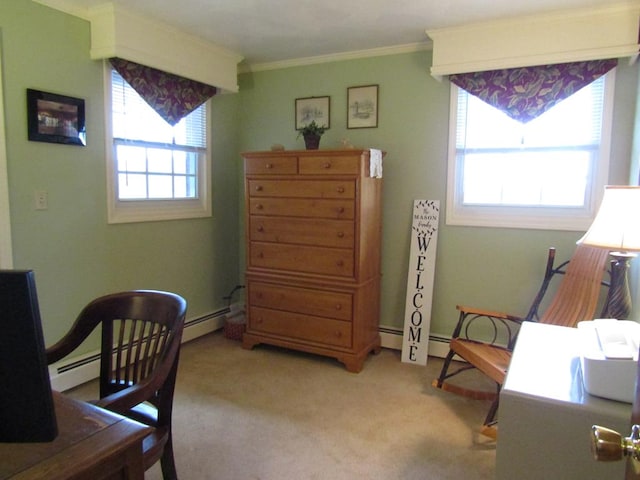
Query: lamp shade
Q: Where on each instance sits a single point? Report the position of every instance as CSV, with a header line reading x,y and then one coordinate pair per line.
x,y
617,224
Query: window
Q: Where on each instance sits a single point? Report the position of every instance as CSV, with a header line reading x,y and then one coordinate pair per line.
x,y
155,171
547,173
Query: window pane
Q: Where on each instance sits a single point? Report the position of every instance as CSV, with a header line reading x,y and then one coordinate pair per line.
x,y
160,186
132,186
159,160
131,159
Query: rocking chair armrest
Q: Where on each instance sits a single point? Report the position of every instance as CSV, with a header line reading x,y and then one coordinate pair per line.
x,y
488,313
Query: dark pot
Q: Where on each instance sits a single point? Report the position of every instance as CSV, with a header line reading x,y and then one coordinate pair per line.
x,y
312,141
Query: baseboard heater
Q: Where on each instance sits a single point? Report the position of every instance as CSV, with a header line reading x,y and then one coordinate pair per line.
x,y
391,337
69,373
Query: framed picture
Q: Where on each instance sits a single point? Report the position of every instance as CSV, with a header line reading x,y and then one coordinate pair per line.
x,y
310,109
362,106
55,118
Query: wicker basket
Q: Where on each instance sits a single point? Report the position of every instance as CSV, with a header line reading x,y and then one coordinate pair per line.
x,y
234,327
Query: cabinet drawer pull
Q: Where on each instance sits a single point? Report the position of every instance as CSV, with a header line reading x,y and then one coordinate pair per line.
x,y
340,234
341,210
340,263
259,320
327,165
259,206
258,188
260,228
340,189
337,334
260,255
338,306
269,166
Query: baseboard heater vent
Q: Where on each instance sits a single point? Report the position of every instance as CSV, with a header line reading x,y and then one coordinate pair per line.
x,y
391,337
69,373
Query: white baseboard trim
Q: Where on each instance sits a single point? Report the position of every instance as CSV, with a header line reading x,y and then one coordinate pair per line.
x,y
69,373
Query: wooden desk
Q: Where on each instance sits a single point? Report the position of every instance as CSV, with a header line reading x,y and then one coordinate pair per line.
x,y
92,444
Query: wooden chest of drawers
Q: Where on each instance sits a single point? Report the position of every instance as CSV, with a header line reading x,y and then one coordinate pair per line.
x,y
313,233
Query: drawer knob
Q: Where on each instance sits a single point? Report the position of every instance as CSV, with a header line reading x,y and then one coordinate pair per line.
x,y
341,210
260,228
327,165
338,306
260,255
338,334
259,320
340,189
340,263
340,234
258,188
259,206
269,166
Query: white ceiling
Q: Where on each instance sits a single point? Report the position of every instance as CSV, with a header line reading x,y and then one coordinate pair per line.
x,y
265,31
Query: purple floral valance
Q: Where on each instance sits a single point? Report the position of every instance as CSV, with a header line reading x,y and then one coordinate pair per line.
x,y
172,96
527,92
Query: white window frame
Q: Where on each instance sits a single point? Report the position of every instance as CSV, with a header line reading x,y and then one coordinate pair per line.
x,y
149,210
547,218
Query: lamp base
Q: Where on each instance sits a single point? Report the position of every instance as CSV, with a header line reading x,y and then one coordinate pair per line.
x,y
619,299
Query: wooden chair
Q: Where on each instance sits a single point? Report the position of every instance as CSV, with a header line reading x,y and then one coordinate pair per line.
x,y
576,299
141,335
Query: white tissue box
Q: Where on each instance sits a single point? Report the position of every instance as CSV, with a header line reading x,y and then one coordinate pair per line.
x,y
609,358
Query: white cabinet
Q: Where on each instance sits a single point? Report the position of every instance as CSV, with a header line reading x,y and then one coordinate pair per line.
x,y
546,415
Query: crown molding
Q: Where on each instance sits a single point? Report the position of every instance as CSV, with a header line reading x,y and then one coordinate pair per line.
x,y
336,57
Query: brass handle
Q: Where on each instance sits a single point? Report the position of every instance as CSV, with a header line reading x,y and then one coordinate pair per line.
x,y
608,445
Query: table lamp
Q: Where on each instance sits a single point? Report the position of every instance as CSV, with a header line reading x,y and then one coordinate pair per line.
x,y
617,228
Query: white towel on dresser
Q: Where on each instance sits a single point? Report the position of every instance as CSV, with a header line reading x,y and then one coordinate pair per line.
x,y
375,163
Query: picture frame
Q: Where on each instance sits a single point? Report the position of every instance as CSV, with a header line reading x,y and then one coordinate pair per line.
x,y
309,109
55,118
362,106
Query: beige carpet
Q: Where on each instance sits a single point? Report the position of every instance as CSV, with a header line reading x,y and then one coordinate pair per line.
x,y
274,414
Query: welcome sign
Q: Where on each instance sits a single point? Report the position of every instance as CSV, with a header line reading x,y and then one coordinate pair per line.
x,y
422,262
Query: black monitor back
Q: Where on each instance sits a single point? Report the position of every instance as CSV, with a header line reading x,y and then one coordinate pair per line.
x,y
26,405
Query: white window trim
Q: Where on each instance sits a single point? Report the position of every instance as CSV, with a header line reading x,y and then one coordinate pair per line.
x,y
129,211
572,219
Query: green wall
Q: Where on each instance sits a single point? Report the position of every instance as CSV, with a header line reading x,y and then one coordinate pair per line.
x,y
77,256
490,267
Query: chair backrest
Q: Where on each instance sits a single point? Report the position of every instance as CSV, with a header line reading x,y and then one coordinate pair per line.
x,y
141,336
579,291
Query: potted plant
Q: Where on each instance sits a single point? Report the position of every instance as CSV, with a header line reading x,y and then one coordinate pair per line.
x,y
311,133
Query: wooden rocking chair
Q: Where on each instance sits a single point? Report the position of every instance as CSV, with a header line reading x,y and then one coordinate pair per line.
x,y
575,300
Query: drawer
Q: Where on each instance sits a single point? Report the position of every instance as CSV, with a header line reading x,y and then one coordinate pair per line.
x,y
302,258
329,165
320,232
297,326
302,207
271,165
302,188
319,303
